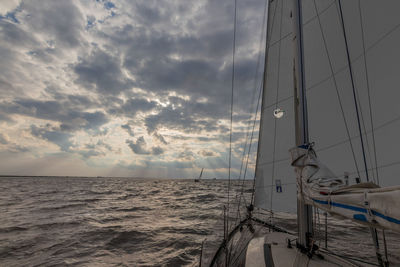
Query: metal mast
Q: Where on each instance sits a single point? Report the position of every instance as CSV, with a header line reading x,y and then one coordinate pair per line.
x,y
304,212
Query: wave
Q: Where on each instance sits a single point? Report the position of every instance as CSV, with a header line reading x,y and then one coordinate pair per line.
x,y
12,229
133,209
128,240
65,206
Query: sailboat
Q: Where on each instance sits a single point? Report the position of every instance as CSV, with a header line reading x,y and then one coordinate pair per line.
x,y
322,61
201,174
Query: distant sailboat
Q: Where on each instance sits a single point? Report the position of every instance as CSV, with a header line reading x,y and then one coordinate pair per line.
x,y
329,68
201,174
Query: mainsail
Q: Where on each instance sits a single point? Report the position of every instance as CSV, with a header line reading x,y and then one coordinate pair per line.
x,y
335,109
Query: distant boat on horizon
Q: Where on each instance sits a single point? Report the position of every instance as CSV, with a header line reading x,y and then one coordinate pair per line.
x,y
201,174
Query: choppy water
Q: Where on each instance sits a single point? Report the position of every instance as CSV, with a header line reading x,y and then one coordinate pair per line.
x,y
48,221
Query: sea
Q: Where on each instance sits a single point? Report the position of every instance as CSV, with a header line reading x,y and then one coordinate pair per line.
x,y
100,221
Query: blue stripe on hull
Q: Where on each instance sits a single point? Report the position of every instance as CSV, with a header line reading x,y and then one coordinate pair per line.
x,y
354,208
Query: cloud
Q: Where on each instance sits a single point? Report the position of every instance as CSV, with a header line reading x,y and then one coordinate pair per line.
x,y
14,148
102,72
160,138
90,153
207,153
8,6
60,20
186,155
157,150
130,107
4,139
61,139
78,72
139,147
69,114
128,129
105,145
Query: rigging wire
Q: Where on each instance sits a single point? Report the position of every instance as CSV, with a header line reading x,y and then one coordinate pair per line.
x,y
251,141
251,110
366,136
368,90
232,90
353,87
255,117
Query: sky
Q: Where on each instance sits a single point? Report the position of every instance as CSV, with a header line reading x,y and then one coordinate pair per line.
x,y
126,88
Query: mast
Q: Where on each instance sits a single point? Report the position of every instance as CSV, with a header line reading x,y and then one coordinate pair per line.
x,y
304,212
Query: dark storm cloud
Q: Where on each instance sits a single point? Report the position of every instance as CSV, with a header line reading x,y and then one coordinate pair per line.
x,y
160,138
157,150
130,107
174,119
203,64
128,129
207,153
14,35
60,20
65,112
51,134
139,147
101,71
189,117
194,77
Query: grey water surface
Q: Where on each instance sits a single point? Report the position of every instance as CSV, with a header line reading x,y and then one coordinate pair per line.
x,y
71,221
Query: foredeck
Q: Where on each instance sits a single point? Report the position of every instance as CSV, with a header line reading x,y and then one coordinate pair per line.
x,y
272,250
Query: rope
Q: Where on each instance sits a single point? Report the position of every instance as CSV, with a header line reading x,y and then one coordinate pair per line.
x,y
353,87
336,88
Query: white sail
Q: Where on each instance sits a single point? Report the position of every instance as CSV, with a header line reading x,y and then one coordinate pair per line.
x,y
273,144
370,25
